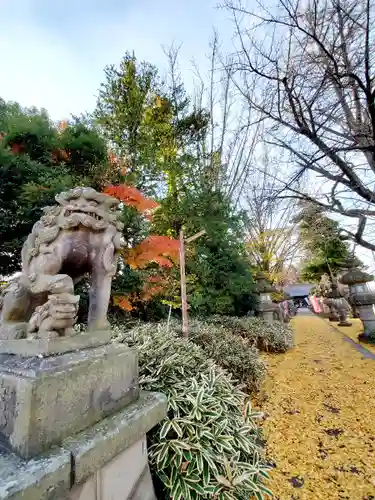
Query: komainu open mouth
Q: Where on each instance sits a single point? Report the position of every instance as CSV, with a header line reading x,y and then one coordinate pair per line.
x,y
91,214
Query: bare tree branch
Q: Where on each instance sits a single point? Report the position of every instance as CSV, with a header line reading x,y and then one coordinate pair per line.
x,y
272,237
235,129
310,70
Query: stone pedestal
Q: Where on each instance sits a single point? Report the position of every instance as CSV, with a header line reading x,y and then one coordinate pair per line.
x,y
269,311
27,348
111,457
46,399
73,426
361,297
367,316
266,309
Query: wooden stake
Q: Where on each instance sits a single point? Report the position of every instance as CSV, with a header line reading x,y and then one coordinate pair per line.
x,y
184,305
197,235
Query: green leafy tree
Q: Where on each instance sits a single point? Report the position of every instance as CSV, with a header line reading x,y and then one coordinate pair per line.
x,y
37,160
124,98
219,279
151,124
325,248
158,134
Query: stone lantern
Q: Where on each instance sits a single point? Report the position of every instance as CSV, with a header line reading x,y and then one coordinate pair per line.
x,y
339,304
361,296
267,310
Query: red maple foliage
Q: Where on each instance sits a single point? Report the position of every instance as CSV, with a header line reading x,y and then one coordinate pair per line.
x,y
162,250
153,286
132,197
60,155
123,302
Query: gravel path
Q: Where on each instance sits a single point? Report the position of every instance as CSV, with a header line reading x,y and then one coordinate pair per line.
x,y
320,417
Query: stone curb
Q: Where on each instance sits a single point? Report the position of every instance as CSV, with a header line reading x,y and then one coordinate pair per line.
x,y
43,478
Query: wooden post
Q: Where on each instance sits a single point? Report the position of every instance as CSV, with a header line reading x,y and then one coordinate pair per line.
x,y
184,306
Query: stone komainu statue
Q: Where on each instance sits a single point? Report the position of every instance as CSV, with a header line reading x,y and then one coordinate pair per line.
x,y
81,235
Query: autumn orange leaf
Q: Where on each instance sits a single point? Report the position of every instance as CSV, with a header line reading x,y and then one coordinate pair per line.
x,y
147,295
160,249
154,279
123,302
163,261
132,197
62,125
60,154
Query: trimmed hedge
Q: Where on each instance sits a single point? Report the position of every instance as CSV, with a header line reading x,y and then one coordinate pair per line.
x,y
231,352
274,337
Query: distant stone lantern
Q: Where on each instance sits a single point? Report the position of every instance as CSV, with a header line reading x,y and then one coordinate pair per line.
x,y
339,304
361,296
267,310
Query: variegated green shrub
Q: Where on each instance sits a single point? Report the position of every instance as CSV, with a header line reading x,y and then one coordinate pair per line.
x,y
208,446
269,337
232,352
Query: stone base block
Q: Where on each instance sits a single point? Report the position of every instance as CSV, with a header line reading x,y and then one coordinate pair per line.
x,y
11,330
49,347
106,462
112,483
333,319
44,400
367,316
144,489
344,323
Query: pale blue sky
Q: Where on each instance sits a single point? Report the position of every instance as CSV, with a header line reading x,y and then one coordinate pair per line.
x,y
54,52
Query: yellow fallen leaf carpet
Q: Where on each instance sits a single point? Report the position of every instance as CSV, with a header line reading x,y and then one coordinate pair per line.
x,y
319,406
